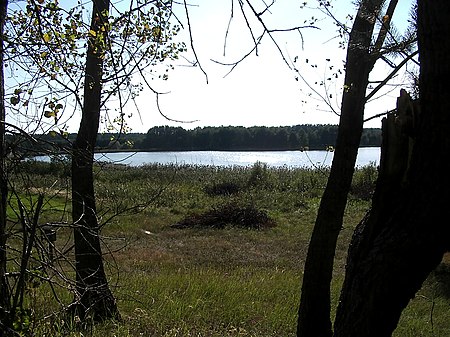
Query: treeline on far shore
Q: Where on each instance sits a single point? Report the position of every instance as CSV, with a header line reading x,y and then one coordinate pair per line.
x,y
225,138
168,138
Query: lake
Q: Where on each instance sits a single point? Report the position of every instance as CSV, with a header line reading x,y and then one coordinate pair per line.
x,y
366,156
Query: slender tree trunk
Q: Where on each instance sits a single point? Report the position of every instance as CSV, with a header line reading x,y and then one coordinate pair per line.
x,y
95,298
4,291
406,234
314,312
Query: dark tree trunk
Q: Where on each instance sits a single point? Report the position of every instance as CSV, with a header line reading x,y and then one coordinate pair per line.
x,y
4,291
314,312
95,298
406,234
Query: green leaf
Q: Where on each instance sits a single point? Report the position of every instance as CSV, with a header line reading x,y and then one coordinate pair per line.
x,y
14,100
49,114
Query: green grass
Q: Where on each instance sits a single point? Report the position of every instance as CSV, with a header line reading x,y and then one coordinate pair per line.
x,y
204,297
203,281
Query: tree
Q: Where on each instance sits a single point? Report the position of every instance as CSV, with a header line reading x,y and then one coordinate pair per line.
x,y
4,291
362,53
14,318
404,236
67,64
96,298
92,285
366,45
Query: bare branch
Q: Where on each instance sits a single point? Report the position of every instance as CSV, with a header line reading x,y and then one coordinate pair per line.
x,y
236,63
267,9
157,100
228,27
390,76
192,42
379,115
257,40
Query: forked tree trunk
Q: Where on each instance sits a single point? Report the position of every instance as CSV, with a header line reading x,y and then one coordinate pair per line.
x,y
406,234
315,303
95,298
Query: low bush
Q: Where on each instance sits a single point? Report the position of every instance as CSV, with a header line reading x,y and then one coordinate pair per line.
x,y
229,214
260,175
441,277
364,180
222,188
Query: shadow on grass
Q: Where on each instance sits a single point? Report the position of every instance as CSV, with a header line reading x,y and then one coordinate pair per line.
x,y
441,278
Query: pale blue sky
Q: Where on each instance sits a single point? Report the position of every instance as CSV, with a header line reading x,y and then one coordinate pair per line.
x,y
262,90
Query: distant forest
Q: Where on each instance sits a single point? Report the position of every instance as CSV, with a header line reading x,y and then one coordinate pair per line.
x,y
168,138
254,138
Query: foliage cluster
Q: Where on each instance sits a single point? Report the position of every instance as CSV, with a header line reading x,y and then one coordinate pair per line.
x,y
46,53
60,59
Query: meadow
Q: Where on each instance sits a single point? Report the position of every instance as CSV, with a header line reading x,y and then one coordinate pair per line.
x,y
206,251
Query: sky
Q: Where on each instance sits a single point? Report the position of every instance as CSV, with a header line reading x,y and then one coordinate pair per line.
x,y
263,89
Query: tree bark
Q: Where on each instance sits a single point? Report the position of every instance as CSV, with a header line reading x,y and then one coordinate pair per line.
x,y
404,237
95,298
4,291
314,312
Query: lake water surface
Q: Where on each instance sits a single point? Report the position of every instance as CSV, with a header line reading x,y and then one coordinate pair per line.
x,y
366,156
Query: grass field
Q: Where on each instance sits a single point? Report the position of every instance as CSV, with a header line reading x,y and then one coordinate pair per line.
x,y
231,280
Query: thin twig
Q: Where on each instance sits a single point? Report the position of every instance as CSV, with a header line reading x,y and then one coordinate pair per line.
x,y
396,70
192,41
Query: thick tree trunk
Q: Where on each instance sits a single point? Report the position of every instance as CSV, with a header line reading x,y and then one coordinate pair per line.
x,y
95,298
314,312
4,291
404,238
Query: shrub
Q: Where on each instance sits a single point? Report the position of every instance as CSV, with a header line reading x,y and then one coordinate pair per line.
x,y
364,180
228,214
441,276
222,188
259,175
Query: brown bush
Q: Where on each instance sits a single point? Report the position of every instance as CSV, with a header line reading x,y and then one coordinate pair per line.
x,y
228,215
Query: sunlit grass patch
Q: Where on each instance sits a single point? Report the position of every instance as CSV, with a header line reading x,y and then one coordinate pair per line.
x,y
217,299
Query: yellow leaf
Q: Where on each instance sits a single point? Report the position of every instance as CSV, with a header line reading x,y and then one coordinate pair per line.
x,y
92,33
52,133
47,37
156,31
